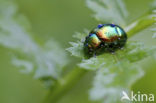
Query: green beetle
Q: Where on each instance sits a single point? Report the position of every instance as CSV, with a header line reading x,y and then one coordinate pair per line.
x,y
104,38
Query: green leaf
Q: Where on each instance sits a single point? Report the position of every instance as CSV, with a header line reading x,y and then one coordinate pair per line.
x,y
115,72
111,80
76,49
109,10
154,29
46,61
132,52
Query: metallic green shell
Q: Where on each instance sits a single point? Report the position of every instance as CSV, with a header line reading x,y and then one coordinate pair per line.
x,y
93,41
106,37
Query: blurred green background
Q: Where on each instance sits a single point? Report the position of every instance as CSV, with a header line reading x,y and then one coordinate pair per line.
x,y
60,19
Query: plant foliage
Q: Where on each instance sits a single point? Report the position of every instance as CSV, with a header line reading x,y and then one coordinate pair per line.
x,y
45,62
109,10
154,29
114,72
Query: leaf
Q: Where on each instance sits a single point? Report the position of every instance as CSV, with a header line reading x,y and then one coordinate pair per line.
x,y
115,72
27,65
111,80
109,10
44,61
132,52
76,49
154,29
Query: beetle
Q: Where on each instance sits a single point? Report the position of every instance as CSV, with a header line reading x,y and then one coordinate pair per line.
x,y
104,38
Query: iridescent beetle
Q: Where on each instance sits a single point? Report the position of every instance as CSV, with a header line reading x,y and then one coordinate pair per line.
x,y
104,38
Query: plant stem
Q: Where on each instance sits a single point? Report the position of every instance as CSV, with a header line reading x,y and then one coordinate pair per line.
x,y
140,24
66,83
